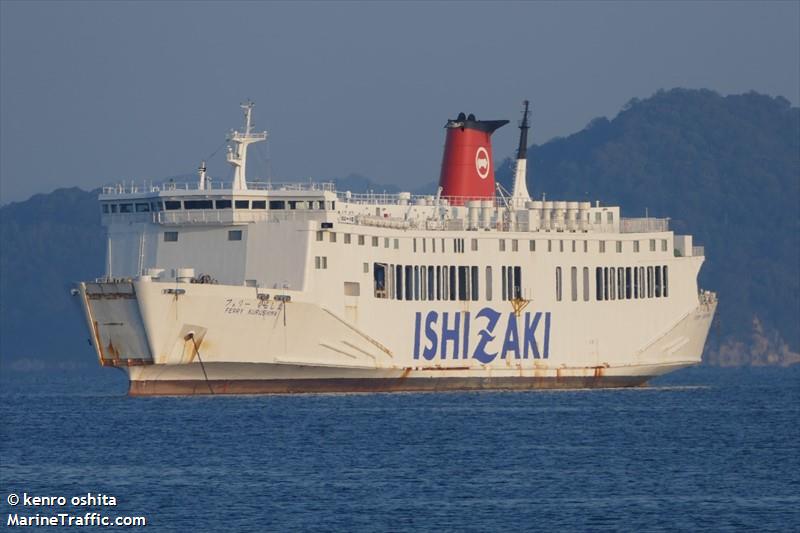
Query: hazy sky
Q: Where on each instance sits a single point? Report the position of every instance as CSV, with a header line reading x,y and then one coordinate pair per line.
x,y
92,93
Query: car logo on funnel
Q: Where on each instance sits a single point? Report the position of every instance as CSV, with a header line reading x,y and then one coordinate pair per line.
x,y
482,162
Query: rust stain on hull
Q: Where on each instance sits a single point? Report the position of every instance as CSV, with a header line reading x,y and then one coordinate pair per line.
x,y
304,386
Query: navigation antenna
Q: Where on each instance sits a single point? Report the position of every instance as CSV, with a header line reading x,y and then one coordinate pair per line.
x,y
237,156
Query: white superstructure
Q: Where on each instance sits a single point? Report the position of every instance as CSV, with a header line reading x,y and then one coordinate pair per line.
x,y
262,287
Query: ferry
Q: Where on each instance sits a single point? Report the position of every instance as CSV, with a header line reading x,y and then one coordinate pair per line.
x,y
251,287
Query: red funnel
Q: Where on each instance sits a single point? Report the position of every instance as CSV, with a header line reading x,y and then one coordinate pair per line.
x,y
467,165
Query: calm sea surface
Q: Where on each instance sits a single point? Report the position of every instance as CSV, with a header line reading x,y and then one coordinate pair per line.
x,y
703,449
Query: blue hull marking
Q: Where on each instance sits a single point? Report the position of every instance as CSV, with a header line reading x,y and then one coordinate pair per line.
x,y
448,335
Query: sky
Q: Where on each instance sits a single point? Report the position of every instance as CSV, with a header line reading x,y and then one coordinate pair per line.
x,y
93,93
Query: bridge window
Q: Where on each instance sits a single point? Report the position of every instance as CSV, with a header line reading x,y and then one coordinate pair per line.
x,y
105,208
259,204
277,204
143,208
198,204
235,235
126,208
170,236
172,205
223,204
241,204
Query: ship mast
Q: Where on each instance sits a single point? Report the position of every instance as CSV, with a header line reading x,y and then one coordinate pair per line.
x,y
520,193
237,156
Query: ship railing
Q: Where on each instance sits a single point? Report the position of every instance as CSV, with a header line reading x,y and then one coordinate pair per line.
x,y
698,251
228,216
406,199
644,225
214,185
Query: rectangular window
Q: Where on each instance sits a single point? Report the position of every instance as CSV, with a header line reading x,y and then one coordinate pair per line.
x,y
386,242
389,281
585,247
597,217
598,283
561,245
517,285
347,238
558,284
241,204
142,208
574,246
549,245
488,284
235,235
610,217
602,247
666,285
361,240
438,282
474,245
514,245
532,245
379,277
444,283
277,204
126,208
574,280
259,204
332,236
105,208
502,244
663,245
320,235
649,282
375,242
505,283
462,283
658,282
433,246
397,244
416,283
398,281
413,245
453,283
605,283
628,284
612,283
636,246
586,284
170,236
409,288
652,245
641,282
223,204
474,283
431,283
198,204
619,247
620,283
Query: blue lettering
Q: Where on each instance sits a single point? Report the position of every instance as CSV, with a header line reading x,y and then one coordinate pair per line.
x,y
546,334
429,352
486,336
465,351
529,338
511,339
416,334
450,335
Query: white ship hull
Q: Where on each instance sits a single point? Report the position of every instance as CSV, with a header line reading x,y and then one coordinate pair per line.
x,y
275,347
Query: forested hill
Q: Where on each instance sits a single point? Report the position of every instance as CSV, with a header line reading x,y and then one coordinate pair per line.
x,y
726,170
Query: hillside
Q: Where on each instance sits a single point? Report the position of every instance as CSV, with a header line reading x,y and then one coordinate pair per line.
x,y
726,169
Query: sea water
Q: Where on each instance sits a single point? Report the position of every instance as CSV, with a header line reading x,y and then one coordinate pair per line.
x,y
701,449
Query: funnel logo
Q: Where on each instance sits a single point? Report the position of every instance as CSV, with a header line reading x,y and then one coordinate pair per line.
x,y
482,162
